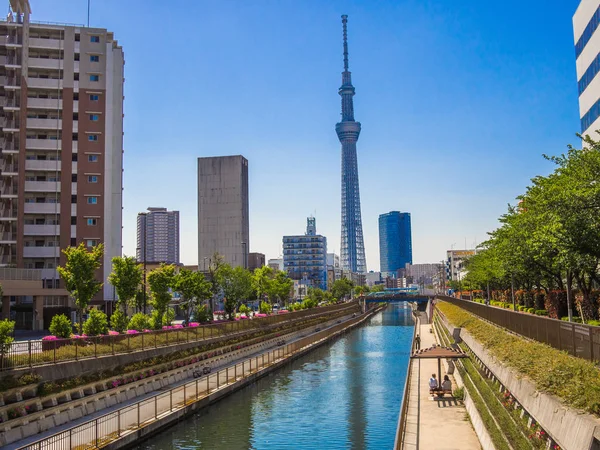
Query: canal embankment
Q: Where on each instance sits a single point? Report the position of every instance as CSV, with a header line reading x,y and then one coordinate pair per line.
x,y
138,421
523,415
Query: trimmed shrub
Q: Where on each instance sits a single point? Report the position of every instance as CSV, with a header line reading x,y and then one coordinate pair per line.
x,y
96,324
541,312
118,321
594,323
556,304
7,328
531,310
574,380
168,317
139,321
576,319
61,326
264,308
203,314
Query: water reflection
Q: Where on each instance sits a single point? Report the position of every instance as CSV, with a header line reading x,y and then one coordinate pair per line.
x,y
340,396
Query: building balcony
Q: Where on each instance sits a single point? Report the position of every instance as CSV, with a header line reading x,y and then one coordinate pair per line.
x,y
8,238
41,165
41,252
9,170
45,63
43,144
41,230
44,83
42,186
45,103
12,83
42,208
54,44
11,126
8,214
44,124
9,192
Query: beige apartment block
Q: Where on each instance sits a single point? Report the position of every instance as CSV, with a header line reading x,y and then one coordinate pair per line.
x,y
61,160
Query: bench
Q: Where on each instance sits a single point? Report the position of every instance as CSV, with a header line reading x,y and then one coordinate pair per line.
x,y
440,392
198,373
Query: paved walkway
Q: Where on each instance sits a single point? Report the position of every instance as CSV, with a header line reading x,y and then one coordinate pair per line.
x,y
436,424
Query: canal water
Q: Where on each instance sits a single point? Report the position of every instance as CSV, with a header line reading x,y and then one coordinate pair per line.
x,y
344,395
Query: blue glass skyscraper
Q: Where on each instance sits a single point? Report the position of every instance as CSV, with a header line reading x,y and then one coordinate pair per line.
x,y
395,241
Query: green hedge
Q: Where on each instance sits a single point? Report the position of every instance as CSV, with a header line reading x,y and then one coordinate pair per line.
x,y
575,380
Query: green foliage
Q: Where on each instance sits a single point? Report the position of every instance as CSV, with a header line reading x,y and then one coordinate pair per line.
x,y
574,380
541,312
361,290
79,274
168,317
459,393
236,285
160,281
243,309
7,328
261,281
202,314
139,322
118,321
96,323
309,302
193,288
378,288
264,308
126,276
341,288
61,326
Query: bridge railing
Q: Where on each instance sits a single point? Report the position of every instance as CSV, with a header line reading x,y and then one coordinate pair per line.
x,y
577,339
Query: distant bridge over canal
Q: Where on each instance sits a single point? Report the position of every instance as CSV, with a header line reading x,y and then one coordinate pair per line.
x,y
396,295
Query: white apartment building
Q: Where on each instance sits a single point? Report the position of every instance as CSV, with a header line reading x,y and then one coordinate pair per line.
x,y
587,53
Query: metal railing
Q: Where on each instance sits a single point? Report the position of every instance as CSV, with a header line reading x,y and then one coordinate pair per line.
x,y
38,352
404,408
110,427
579,340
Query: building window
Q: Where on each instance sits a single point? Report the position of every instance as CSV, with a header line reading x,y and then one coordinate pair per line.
x,y
92,179
94,117
92,158
94,58
92,222
92,242
94,77
93,137
92,200
94,38
94,97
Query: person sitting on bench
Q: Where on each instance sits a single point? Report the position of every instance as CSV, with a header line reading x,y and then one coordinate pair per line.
x,y
446,387
433,384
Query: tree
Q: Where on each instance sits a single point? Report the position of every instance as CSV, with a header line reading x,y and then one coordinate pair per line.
x,y
236,285
378,288
193,288
61,326
361,290
79,274
126,277
7,328
282,286
261,281
160,281
96,323
341,288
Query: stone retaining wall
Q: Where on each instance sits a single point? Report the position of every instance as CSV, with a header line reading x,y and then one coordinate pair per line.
x,y
570,428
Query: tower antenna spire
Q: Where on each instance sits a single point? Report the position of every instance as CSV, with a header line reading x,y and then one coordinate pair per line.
x,y
345,32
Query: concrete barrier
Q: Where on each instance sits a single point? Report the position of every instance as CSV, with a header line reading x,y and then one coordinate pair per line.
x,y
570,428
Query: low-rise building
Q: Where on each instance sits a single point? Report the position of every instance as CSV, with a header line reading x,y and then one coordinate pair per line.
x,y
255,260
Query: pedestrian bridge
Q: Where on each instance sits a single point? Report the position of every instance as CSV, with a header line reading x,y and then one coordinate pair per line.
x,y
396,295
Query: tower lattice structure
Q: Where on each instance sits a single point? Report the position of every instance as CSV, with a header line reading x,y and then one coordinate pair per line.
x,y
348,130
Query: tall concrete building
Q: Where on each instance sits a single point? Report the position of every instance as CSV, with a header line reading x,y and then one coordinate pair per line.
x,y
587,53
305,256
61,91
223,224
353,247
395,242
158,236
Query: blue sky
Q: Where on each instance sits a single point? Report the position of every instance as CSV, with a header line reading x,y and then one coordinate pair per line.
x,y
458,100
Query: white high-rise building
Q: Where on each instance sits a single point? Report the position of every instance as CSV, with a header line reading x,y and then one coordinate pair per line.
x,y
158,236
587,53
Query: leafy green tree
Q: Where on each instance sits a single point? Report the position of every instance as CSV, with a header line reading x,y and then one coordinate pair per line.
x,y
79,274
265,308
168,317
361,290
378,288
61,326
96,323
193,288
282,287
119,321
203,314
236,285
126,277
262,281
160,281
341,288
